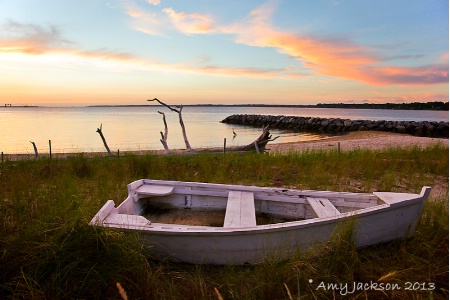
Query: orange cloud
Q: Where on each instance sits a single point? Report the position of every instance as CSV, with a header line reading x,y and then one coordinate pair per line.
x,y
144,20
48,44
134,13
31,39
422,75
190,23
336,57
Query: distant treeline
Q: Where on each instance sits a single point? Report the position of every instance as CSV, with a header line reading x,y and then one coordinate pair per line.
x,y
405,106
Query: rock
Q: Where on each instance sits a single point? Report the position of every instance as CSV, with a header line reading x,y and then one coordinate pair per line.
x,y
348,123
330,125
400,129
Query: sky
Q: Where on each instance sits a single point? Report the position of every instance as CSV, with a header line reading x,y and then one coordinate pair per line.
x,y
94,52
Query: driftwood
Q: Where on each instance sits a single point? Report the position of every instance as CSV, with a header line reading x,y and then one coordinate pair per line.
x,y
259,144
99,130
178,111
165,134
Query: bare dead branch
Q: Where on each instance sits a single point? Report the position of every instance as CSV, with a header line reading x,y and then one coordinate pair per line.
x,y
165,134
166,105
178,111
99,130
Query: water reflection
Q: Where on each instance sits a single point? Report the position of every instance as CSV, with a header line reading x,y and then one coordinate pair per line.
x,y
138,128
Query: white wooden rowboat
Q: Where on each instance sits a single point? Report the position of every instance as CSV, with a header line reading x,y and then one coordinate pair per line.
x,y
234,224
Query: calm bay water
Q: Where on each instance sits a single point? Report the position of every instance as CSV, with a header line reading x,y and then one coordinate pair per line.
x,y
73,129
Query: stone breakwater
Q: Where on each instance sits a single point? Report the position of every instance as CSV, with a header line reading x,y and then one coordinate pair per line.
x,y
337,125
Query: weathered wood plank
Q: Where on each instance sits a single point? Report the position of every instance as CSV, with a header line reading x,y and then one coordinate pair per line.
x,y
311,193
233,211
104,211
248,214
240,210
128,220
154,190
323,207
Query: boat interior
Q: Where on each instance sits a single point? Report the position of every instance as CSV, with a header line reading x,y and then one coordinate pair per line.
x,y
234,207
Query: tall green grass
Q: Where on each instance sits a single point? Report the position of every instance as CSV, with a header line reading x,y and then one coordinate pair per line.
x,y
47,250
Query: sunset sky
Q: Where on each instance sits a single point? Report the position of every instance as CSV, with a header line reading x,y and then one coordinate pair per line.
x,y
93,52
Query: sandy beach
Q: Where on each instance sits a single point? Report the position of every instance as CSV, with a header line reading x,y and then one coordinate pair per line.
x,y
360,140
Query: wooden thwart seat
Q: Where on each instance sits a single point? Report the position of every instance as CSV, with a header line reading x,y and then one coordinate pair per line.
x,y
127,220
151,190
240,210
323,207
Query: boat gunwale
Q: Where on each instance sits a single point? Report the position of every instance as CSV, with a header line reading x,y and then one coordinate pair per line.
x,y
251,188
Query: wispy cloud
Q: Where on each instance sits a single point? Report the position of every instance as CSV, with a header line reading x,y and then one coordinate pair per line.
x,y
34,40
145,21
29,38
408,97
159,22
421,75
153,2
246,72
336,57
190,23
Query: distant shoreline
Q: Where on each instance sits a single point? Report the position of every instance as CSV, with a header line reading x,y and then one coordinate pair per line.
x,y
436,106
432,106
20,106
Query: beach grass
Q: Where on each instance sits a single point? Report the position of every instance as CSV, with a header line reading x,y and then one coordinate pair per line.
x,y
48,250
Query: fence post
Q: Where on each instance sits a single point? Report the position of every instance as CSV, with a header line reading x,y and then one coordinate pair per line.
x,y
224,144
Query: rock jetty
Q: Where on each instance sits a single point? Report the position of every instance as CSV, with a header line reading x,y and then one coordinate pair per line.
x,y
337,125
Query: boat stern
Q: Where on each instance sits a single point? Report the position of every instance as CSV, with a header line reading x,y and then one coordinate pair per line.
x,y
397,221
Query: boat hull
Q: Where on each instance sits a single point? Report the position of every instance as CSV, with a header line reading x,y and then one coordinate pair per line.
x,y
389,220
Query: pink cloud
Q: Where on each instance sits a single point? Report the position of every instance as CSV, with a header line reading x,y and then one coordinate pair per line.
x,y
247,72
422,75
416,97
335,57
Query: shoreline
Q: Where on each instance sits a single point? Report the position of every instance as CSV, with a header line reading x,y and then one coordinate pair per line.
x,y
371,140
